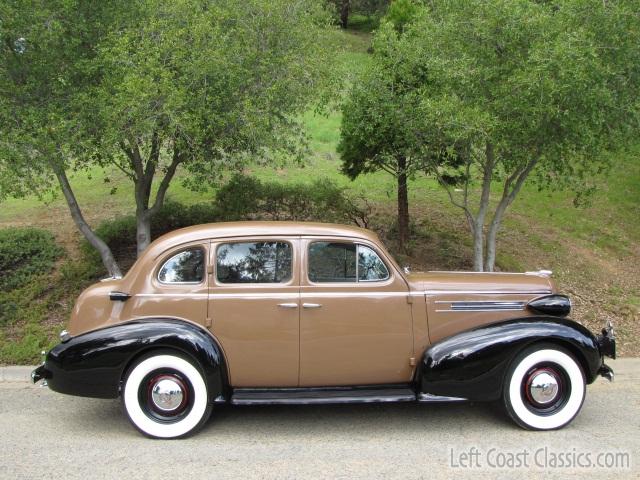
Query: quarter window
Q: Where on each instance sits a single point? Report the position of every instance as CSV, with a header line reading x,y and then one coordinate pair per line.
x,y
184,267
254,262
332,262
370,267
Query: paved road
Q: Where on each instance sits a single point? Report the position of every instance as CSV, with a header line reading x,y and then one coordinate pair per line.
x,y
47,435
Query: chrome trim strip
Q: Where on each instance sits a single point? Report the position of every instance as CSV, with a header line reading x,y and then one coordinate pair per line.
x,y
482,310
481,292
428,397
482,306
482,302
171,294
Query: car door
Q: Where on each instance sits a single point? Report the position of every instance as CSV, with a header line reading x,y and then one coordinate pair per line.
x,y
355,320
254,311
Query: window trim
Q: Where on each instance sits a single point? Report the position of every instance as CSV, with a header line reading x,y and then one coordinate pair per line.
x,y
178,252
222,242
347,242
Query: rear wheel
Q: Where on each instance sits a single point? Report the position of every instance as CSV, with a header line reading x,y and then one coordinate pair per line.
x,y
544,388
165,396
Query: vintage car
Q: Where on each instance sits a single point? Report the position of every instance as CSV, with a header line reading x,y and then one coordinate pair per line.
x,y
254,313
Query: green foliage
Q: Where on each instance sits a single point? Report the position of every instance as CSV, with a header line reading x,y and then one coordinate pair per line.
x,y
247,198
25,253
552,82
402,12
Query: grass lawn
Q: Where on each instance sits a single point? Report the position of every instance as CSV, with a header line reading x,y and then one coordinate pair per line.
x,y
594,250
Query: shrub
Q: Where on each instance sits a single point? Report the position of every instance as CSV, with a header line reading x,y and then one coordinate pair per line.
x,y
25,253
247,198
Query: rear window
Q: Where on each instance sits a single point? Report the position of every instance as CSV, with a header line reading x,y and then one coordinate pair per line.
x,y
184,267
254,262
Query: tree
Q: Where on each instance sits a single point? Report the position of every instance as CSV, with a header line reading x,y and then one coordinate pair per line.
x,y
373,136
378,118
520,90
153,87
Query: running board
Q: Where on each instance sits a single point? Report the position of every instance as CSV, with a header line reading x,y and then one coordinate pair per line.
x,y
310,396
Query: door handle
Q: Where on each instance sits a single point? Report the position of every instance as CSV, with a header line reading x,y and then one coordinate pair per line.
x,y
311,305
288,305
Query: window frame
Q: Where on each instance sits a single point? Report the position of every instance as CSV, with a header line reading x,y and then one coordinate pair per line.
x,y
221,242
388,278
174,253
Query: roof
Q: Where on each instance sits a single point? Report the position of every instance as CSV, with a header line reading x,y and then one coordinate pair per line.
x,y
256,229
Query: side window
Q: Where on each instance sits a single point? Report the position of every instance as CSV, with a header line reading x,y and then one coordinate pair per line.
x,y
254,262
370,267
184,267
331,262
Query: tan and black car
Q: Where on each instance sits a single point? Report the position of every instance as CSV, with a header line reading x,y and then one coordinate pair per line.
x,y
303,313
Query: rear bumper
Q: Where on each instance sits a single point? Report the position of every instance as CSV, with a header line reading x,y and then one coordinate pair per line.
x,y
40,373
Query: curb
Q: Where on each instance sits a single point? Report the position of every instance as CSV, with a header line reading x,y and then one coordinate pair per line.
x,y
16,373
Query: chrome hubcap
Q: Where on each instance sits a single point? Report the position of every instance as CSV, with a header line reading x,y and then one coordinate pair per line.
x,y
543,387
167,394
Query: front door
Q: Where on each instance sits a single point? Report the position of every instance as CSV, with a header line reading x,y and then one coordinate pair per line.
x,y
254,311
355,320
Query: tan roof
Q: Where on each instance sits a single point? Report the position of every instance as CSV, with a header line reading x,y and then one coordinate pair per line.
x,y
254,228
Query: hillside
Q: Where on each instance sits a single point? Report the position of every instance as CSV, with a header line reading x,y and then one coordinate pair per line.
x,y
594,251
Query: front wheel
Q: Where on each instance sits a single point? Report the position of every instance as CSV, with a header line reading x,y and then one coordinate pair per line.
x,y
544,388
165,396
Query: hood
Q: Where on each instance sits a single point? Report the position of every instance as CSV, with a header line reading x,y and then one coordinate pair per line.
x,y
482,282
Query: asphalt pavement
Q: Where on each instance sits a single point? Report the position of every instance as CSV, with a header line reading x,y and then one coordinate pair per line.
x,y
47,435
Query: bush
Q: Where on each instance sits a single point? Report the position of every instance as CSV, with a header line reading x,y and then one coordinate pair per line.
x,y
25,253
246,198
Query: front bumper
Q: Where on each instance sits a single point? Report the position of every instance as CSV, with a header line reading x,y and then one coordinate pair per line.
x,y
606,342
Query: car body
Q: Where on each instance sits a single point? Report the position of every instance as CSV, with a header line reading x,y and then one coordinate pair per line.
x,y
297,312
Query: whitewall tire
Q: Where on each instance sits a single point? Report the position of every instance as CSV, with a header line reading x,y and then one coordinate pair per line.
x,y
544,388
165,396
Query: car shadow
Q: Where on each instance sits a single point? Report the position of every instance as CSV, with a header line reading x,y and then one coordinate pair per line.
x,y
401,418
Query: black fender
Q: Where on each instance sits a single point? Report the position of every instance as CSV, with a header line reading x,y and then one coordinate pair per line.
x,y
472,364
93,364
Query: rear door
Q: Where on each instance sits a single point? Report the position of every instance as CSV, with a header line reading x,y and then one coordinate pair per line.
x,y
254,309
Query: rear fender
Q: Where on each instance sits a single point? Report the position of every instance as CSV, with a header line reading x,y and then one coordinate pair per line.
x,y
93,364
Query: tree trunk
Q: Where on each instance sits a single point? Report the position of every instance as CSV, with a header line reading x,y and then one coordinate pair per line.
x,y
403,204
96,242
478,247
143,231
344,13
512,187
478,230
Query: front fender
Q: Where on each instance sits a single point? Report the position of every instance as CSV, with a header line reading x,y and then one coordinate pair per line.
x,y
93,364
473,364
